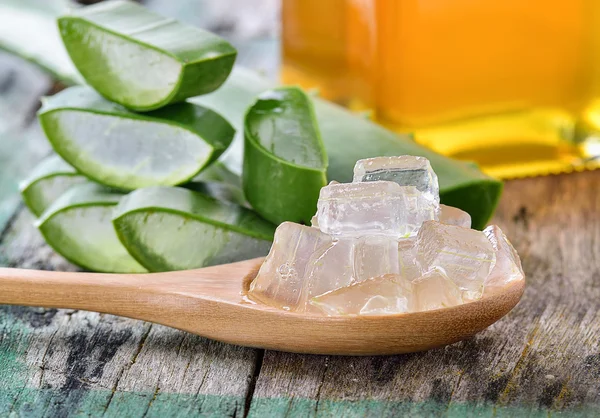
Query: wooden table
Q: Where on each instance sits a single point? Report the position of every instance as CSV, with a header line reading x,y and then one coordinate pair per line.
x,y
542,359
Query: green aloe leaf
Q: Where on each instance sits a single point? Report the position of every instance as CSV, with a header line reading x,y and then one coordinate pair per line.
x,y
461,184
78,226
284,160
219,173
128,150
48,181
219,182
168,228
142,60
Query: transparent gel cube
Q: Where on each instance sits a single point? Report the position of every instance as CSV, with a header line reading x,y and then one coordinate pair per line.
x,y
450,215
376,296
406,170
434,290
466,256
282,276
375,255
328,269
372,208
508,266
407,258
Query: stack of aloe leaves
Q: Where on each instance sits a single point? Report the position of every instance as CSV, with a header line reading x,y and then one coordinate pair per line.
x,y
168,158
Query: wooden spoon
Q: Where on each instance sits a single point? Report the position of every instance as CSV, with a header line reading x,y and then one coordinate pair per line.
x,y
211,302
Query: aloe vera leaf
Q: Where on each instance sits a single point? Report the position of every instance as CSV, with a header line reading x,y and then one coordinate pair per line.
x,y
219,173
220,191
140,59
461,184
172,228
78,227
28,28
284,160
348,138
219,182
47,182
126,150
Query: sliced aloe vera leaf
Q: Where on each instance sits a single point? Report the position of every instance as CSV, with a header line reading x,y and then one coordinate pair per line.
x,y
172,228
49,180
78,227
348,138
285,163
220,191
219,182
219,173
127,150
142,60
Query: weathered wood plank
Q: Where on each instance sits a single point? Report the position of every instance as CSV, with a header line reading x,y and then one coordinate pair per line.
x,y
544,357
75,363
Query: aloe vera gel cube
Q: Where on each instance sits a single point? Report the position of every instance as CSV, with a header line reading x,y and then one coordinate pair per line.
x,y
378,207
406,170
142,60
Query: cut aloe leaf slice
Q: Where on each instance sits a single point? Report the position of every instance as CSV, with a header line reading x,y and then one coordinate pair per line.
x,y
48,181
171,228
285,163
142,60
78,226
128,150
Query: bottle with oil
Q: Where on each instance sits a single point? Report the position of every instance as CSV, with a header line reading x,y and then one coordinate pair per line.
x,y
513,85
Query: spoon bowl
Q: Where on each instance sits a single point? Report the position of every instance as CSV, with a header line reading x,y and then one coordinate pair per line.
x,y
212,302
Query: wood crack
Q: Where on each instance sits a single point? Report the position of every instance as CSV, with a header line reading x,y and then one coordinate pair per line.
x,y
510,387
253,379
456,385
43,360
154,396
318,397
127,367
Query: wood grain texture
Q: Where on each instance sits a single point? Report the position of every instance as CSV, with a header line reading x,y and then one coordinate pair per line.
x,y
544,357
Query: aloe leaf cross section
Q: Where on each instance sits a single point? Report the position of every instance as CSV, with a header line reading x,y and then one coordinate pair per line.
x,y
128,150
142,60
285,162
48,181
78,226
172,228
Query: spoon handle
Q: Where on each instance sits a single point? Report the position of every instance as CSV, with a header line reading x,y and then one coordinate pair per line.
x,y
98,292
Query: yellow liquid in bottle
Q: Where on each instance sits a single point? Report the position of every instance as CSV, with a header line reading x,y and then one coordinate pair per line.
x,y
510,85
